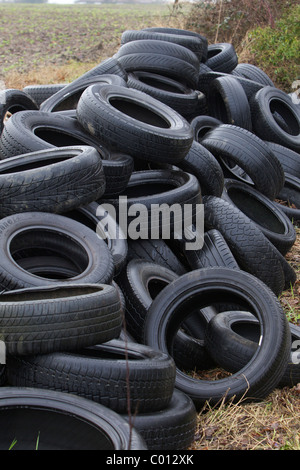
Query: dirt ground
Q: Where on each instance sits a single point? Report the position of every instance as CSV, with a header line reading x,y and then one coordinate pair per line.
x,y
33,36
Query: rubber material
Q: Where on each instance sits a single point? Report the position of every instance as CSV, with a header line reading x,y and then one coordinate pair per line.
x,y
274,224
13,101
54,180
200,288
245,156
125,377
61,421
31,234
251,249
60,317
68,98
135,123
172,428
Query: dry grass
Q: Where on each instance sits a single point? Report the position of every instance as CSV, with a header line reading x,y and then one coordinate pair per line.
x,y
272,424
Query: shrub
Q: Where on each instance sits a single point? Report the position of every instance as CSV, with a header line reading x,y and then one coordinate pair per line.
x,y
276,50
230,20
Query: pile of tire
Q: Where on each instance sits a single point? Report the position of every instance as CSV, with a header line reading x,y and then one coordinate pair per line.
x,y
117,342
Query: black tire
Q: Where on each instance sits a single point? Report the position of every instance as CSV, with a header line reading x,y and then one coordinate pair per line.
x,y
98,219
141,282
233,337
61,421
290,195
193,43
182,32
228,102
291,190
251,249
135,123
40,93
156,251
198,289
246,157
123,376
208,76
33,234
13,101
182,99
201,125
161,57
31,131
68,98
253,73
150,188
109,66
54,180
118,169
41,320
273,223
202,164
173,428
157,46
215,252
48,266
290,160
265,104
221,57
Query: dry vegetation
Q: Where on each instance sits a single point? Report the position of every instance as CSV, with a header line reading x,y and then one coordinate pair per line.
x,y
272,424
40,45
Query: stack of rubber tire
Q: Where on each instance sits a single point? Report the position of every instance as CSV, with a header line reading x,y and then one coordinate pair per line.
x,y
117,342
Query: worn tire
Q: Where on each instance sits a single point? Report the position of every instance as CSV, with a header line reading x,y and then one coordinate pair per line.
x,y
158,252
182,99
135,123
192,42
215,252
31,234
162,57
68,98
172,428
246,157
40,93
40,320
233,337
273,223
61,421
13,101
149,188
251,249
54,180
99,220
221,57
201,125
198,289
141,282
253,73
31,131
228,102
115,374
265,105
290,160
201,163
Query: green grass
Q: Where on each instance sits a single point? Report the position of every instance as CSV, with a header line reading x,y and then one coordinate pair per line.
x,y
276,50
